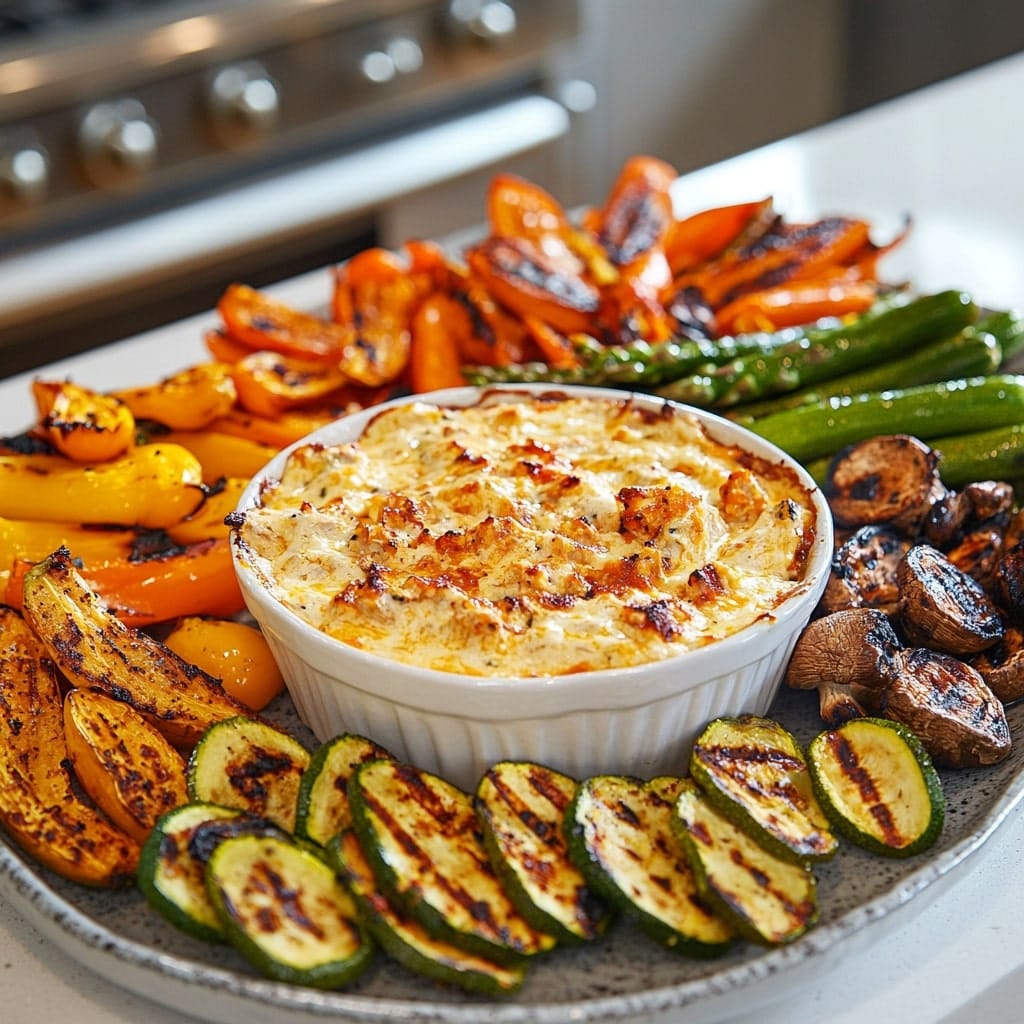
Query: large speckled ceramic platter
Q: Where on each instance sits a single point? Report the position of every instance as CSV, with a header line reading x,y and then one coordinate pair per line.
x,y
623,977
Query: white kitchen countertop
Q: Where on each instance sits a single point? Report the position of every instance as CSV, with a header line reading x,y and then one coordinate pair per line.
x,y
951,155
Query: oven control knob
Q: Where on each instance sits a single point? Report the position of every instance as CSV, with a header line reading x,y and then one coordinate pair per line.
x,y
118,142
24,175
490,21
402,55
243,101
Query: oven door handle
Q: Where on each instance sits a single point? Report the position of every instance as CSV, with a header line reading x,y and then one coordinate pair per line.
x,y
58,276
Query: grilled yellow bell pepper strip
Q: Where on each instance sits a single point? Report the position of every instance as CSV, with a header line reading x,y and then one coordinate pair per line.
x,y
189,400
221,455
34,539
83,424
152,486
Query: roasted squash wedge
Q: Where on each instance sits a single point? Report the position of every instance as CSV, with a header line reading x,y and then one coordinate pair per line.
x,y
95,650
38,807
129,770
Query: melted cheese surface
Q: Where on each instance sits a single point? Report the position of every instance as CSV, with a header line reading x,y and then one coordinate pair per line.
x,y
532,537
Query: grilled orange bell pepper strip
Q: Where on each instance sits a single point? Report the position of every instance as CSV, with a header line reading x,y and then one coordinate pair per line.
x,y
522,278
557,348
517,208
188,400
798,302
196,580
435,357
81,423
375,295
638,214
223,348
268,383
260,322
787,252
704,235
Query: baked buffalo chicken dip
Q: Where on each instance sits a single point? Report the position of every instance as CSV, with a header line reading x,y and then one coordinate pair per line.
x,y
530,535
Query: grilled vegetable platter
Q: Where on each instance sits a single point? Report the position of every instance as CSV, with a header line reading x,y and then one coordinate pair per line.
x,y
162,800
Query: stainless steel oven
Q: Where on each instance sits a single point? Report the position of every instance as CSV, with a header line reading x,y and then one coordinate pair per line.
x,y
152,151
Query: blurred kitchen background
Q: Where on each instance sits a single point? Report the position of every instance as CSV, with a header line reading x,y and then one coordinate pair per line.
x,y
153,151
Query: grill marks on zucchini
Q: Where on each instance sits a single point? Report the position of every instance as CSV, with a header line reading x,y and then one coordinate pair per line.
x,y
878,785
249,765
522,808
753,771
405,940
621,837
423,840
285,910
768,900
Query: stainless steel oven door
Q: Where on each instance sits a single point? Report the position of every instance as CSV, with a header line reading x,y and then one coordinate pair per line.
x,y
84,291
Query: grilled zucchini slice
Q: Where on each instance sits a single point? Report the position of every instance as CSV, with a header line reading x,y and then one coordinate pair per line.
x,y
422,838
405,940
620,836
877,784
323,808
522,808
767,899
248,764
754,772
286,912
172,878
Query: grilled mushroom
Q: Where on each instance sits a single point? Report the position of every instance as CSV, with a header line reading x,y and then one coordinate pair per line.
x,y
1002,666
978,553
989,499
892,479
946,515
949,706
942,607
864,571
848,657
1008,582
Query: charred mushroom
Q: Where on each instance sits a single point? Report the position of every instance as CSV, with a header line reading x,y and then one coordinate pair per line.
x,y
942,607
949,706
978,553
864,571
1008,582
1002,666
848,657
891,479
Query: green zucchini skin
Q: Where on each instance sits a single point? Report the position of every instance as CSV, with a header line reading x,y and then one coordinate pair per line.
x,y
877,784
172,879
996,454
868,340
753,771
247,764
767,900
927,412
405,940
286,912
522,808
422,838
621,837
323,808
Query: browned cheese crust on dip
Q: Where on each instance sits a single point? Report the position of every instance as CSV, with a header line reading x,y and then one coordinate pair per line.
x,y
531,537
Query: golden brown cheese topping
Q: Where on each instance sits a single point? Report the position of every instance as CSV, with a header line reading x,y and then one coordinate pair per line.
x,y
532,537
